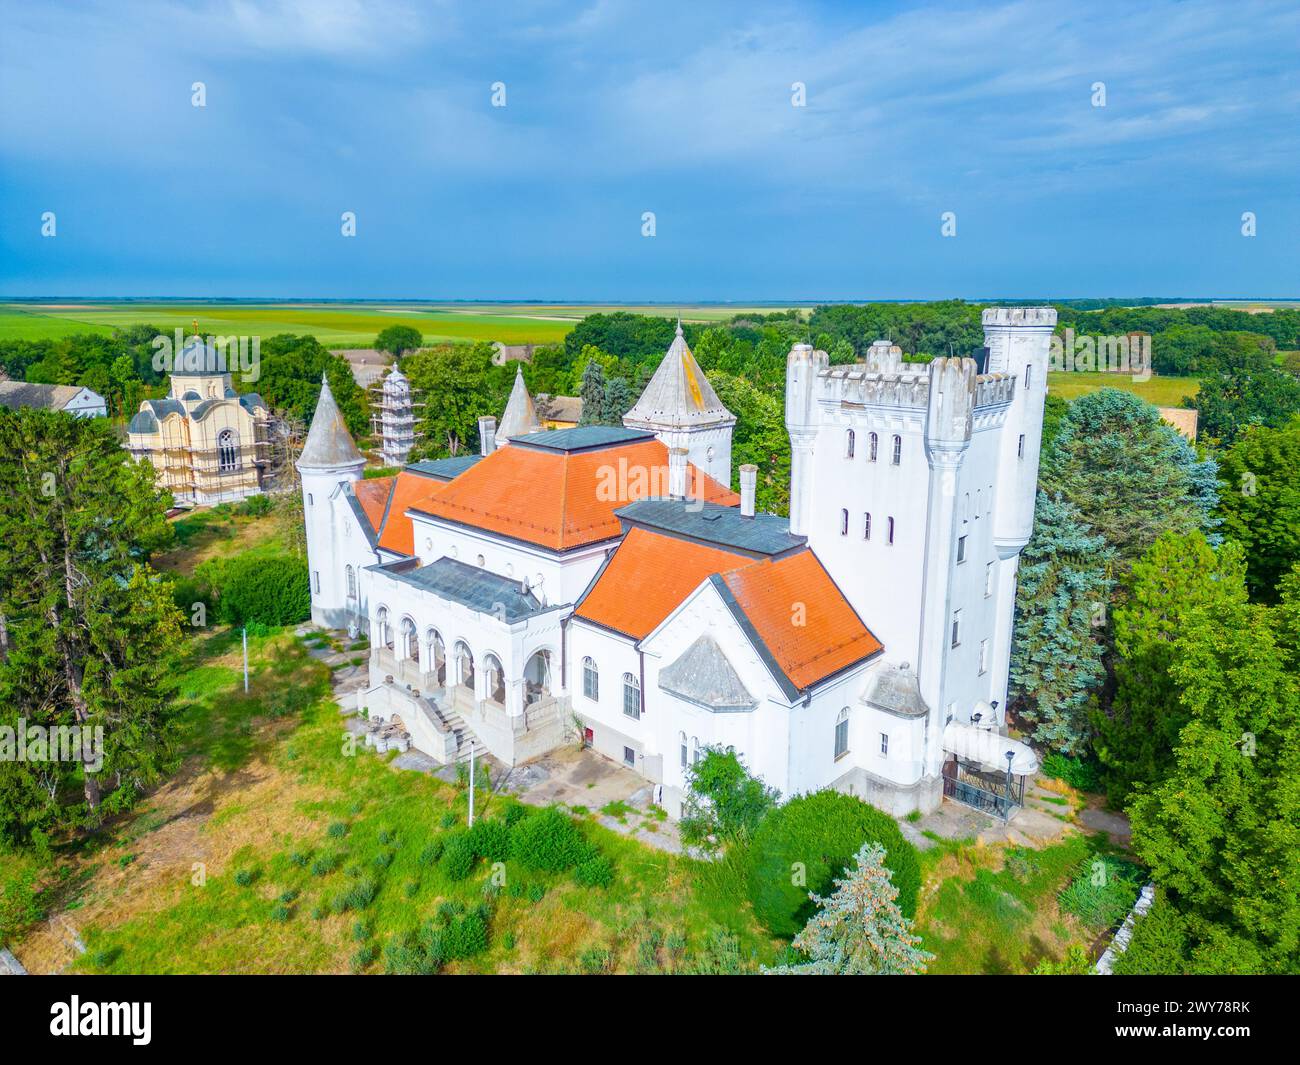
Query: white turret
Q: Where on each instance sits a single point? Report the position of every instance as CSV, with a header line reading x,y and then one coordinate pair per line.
x,y
397,418
681,408
520,417
329,462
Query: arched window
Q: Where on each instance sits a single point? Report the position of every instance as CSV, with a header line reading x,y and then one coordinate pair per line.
x,y
874,447
681,743
631,696
383,629
866,526
352,583
844,523
464,665
227,452
842,733
898,450
695,751
537,677
849,441
437,655
495,677
410,640
590,679
890,529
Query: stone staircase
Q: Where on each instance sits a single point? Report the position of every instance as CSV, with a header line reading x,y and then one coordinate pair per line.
x,y
445,717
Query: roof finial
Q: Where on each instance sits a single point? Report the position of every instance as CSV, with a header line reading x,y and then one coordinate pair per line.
x,y
679,323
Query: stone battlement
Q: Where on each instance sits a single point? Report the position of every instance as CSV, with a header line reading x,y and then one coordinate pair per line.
x,y
1019,316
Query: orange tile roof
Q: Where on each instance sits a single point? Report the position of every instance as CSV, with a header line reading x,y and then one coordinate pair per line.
x,y
556,499
409,490
647,578
373,496
801,616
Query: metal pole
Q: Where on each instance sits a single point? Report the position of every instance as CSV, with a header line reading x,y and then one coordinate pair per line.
x,y
471,786
245,660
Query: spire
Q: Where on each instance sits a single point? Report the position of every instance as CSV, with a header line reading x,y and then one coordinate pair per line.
x,y
329,444
678,395
520,417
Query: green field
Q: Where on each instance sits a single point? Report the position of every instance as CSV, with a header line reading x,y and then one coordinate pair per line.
x,y
1161,391
336,325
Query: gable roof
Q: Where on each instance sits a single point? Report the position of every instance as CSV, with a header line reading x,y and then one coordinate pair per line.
x,y
396,533
559,499
703,675
373,495
329,444
23,394
647,578
678,395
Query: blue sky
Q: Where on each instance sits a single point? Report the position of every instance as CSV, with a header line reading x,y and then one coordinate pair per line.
x,y
316,107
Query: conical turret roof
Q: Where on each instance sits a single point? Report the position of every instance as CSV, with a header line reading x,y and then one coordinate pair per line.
x,y
678,395
520,417
329,444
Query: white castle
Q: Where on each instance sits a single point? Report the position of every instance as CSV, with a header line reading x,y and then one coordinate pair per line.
x,y
607,579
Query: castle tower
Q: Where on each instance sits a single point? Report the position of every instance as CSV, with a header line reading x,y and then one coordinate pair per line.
x,y
329,461
397,418
681,408
520,417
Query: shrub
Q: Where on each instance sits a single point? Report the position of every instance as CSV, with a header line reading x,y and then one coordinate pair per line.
x,y
457,861
723,800
448,819
515,812
281,913
821,833
490,840
360,895
595,872
254,506
244,877
300,858
337,830
272,591
326,864
1102,892
363,957
288,895
382,860
1081,773
466,935
432,852
19,895
548,841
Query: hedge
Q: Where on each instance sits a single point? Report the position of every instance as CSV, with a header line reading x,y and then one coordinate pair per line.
x,y
821,833
269,591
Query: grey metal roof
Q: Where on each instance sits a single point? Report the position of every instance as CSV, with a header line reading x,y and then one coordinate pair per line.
x,y
22,394
520,417
582,438
250,401
704,676
162,407
199,358
143,422
897,690
678,395
474,587
444,469
763,535
329,444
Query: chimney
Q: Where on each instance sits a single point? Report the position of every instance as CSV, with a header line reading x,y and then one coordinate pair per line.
x,y
677,472
487,435
748,489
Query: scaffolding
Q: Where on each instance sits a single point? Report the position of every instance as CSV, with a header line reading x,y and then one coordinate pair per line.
x,y
393,416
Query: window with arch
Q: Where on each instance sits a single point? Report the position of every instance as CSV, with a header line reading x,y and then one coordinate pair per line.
x,y
437,656
844,523
873,446
842,733
227,451
352,582
695,750
850,440
866,525
410,640
898,450
383,628
889,530
590,679
631,696
1029,374
681,743
464,665
495,678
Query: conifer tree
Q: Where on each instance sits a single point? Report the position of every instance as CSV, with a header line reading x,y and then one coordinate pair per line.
x,y
859,929
593,394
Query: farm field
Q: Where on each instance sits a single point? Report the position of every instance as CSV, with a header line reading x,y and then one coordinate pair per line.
x,y
336,325
1161,391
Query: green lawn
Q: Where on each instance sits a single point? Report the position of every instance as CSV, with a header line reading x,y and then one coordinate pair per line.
x,y
1161,391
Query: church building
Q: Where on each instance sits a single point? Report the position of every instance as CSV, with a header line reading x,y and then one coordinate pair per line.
x,y
607,580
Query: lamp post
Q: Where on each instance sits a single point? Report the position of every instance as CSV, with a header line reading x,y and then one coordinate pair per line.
x,y
245,630
1010,756
471,786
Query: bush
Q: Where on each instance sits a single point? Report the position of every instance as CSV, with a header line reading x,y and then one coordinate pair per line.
x,y
19,905
363,957
281,913
326,864
1102,892
270,590
360,895
548,841
254,506
337,830
457,861
821,832
466,935
1081,773
595,872
515,812
432,852
244,877
490,840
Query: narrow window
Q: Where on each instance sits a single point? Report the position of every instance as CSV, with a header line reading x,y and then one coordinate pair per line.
x,y
695,750
629,756
352,583
898,450
984,656
849,441
844,523
842,733
681,742
631,696
1020,447
1029,374
884,744
310,501
866,526
956,628
590,679
961,549
875,446
988,580
889,526
315,581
